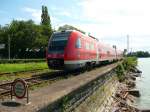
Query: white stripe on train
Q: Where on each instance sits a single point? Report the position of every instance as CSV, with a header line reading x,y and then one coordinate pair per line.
x,y
83,61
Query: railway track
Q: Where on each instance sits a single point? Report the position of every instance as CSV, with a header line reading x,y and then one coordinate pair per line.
x,y
5,88
6,77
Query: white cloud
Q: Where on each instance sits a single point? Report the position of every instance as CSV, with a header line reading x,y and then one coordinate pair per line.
x,y
123,15
117,18
55,22
21,18
35,13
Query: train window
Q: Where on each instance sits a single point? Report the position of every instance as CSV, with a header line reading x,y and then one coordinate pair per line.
x,y
108,52
87,46
99,49
60,36
58,41
92,46
78,43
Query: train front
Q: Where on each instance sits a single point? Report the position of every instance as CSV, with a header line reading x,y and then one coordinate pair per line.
x,y
56,49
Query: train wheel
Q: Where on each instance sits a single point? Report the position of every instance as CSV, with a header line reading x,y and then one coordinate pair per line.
x,y
88,66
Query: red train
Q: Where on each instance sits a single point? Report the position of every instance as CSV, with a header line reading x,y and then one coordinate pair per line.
x,y
73,49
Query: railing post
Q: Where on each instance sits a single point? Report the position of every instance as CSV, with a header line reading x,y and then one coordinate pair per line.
x,y
27,94
11,91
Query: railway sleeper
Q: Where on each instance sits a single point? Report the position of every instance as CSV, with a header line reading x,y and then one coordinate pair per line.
x,y
6,87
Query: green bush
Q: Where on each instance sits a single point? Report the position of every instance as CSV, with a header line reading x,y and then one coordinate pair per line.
x,y
120,71
3,61
129,63
64,103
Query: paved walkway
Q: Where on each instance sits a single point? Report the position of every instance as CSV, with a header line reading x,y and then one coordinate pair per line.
x,y
46,95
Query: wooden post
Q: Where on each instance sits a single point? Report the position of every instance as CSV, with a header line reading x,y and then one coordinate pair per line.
x,y
27,94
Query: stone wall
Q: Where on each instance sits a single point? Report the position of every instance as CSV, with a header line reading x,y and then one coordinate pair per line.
x,y
101,99
92,97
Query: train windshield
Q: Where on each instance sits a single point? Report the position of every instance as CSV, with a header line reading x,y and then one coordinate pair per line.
x,y
58,42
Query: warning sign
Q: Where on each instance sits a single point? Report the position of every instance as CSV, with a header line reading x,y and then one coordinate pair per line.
x,y
19,88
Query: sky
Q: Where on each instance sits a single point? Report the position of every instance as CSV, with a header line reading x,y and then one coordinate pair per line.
x,y
108,20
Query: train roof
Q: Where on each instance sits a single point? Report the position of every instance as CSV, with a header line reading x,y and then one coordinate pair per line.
x,y
83,33
56,32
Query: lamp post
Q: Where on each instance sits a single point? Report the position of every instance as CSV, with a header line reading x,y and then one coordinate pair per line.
x,y
114,46
9,47
9,42
127,44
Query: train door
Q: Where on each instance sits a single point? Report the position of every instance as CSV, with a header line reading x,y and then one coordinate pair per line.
x,y
97,52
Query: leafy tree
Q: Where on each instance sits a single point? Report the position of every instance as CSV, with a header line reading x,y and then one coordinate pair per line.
x,y
24,36
140,54
45,18
46,23
0,34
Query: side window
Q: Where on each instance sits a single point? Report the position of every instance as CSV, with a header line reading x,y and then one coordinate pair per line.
x,y
92,46
78,43
87,46
108,52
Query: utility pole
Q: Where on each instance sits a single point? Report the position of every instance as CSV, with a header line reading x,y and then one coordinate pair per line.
x,y
114,46
127,43
9,47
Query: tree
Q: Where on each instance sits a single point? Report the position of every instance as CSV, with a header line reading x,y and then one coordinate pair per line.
x,y
46,23
45,18
0,34
139,54
23,35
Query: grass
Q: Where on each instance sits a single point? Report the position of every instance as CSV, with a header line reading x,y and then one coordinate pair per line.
x,y
16,67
